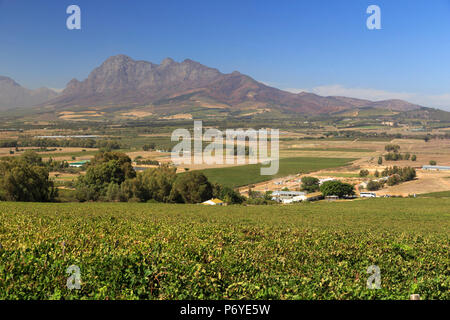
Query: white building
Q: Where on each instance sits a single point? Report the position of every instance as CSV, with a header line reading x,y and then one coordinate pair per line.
x,y
437,168
280,196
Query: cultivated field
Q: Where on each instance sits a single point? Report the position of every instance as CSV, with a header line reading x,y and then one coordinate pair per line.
x,y
243,175
158,251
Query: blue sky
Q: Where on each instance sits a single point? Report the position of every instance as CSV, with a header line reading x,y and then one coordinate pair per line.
x,y
316,45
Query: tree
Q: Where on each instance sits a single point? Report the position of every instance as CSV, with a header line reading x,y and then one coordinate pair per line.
x,y
380,160
156,183
393,180
414,157
408,174
392,147
363,173
337,188
377,173
150,146
113,192
123,160
310,184
86,193
105,168
227,194
26,178
433,162
373,186
191,187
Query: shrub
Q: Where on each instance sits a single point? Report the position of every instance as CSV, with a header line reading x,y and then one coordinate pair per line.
x,y
433,162
363,173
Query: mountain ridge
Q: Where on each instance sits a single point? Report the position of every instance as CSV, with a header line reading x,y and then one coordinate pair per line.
x,y
13,95
121,81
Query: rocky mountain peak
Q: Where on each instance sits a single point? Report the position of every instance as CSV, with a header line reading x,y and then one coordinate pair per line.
x,y
167,62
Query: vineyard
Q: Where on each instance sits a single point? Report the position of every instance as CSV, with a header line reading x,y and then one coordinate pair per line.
x,y
163,251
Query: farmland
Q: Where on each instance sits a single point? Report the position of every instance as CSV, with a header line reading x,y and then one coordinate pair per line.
x,y
248,174
443,194
166,251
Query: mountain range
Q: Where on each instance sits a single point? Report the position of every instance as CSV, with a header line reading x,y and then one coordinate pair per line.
x,y
178,87
13,95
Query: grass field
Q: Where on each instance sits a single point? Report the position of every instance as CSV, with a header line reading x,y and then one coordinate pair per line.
x,y
331,149
160,251
68,154
248,174
442,194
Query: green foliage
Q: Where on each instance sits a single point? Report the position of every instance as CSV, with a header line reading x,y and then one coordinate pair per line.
x,y
433,162
192,187
122,159
310,184
26,178
414,157
147,162
149,146
337,188
259,201
113,192
380,160
374,185
393,156
393,180
106,169
227,194
67,143
397,175
156,184
167,251
363,173
392,147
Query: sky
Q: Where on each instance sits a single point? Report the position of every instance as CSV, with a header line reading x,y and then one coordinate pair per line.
x,y
318,46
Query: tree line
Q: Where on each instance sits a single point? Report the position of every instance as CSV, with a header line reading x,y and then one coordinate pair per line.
x,y
395,155
109,177
62,143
